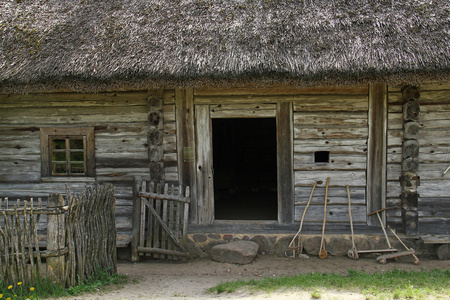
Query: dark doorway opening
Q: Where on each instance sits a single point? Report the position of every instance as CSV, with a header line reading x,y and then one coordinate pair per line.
x,y
245,169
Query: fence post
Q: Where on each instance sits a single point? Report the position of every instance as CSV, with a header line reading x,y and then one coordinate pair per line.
x,y
55,240
136,218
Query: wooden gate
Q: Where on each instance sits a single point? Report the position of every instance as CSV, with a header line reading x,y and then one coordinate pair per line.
x,y
163,221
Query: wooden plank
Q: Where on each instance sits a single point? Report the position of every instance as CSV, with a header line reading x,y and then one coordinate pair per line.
x,y
331,103
162,251
62,99
341,119
285,186
329,133
332,143
335,213
243,114
184,106
338,178
435,239
376,154
204,165
281,90
136,219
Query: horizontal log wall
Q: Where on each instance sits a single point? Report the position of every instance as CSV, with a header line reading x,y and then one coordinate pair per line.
x,y
325,119
120,121
170,139
338,124
394,158
434,158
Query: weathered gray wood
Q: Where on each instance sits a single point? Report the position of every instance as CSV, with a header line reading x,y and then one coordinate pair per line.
x,y
162,251
285,186
376,154
204,165
55,240
136,218
280,90
184,105
242,110
329,133
338,178
335,213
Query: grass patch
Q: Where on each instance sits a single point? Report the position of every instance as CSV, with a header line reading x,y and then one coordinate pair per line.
x,y
395,284
46,289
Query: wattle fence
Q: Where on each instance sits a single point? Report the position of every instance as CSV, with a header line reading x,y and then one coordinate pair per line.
x,y
80,236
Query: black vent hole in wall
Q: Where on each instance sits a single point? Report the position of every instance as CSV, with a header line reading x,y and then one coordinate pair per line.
x,y
322,156
245,168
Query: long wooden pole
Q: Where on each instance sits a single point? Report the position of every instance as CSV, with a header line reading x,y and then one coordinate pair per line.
x,y
322,252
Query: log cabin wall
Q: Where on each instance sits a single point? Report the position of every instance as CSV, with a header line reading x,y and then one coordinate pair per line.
x,y
434,158
394,158
335,125
120,122
326,121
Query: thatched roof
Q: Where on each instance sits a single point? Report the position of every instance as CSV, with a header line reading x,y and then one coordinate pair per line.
x,y
92,45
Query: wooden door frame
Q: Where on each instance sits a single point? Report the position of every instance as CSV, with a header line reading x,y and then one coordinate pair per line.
x,y
204,162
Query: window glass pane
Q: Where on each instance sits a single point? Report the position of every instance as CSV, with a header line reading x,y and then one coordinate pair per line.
x,y
59,168
76,144
77,156
59,144
76,168
59,156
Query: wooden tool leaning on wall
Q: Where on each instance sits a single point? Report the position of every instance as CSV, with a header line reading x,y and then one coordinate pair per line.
x,y
322,252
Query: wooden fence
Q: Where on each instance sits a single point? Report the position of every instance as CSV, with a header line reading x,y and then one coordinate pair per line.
x,y
160,221
80,237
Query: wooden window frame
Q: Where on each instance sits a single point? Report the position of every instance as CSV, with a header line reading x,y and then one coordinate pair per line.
x,y
46,135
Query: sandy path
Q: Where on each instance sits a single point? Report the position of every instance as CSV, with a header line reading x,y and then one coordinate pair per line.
x,y
190,280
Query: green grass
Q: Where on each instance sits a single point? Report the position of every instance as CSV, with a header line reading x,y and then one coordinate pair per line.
x,y
45,289
394,284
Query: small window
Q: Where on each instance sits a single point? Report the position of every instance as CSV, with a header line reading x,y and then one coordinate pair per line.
x,y
322,156
67,151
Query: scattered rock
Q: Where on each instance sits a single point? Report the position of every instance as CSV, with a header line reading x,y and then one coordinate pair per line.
x,y
312,245
237,252
443,252
265,246
282,245
339,246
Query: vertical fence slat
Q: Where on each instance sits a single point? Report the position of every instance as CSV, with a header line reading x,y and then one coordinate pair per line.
x,y
143,218
165,219
186,218
157,227
150,227
171,219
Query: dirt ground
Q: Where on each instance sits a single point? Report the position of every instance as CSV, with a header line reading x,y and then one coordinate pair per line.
x,y
157,279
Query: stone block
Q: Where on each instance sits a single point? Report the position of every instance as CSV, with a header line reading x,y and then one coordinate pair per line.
x,y
238,252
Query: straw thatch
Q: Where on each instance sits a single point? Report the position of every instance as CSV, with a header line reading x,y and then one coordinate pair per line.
x,y
92,45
